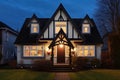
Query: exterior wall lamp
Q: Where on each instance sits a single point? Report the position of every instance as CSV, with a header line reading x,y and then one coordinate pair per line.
x,y
48,51
73,51
61,44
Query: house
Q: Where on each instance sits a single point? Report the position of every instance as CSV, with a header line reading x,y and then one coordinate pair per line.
x,y
7,38
58,38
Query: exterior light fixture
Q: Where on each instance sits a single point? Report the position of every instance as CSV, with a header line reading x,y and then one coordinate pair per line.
x,y
48,51
61,44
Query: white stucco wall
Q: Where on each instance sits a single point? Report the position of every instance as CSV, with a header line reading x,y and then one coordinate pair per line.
x,y
98,51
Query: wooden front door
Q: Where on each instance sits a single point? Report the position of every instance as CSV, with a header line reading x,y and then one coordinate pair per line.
x,y
60,54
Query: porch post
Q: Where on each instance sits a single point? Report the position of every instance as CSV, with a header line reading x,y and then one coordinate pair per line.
x,y
70,55
52,56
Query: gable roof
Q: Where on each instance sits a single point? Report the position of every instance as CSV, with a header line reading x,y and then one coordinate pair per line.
x,y
25,37
92,38
68,18
5,26
61,35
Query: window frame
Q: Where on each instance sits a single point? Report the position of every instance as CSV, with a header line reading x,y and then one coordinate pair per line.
x,y
83,27
60,27
31,49
32,27
83,50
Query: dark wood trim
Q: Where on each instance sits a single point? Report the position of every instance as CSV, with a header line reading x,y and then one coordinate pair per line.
x,y
67,28
73,32
70,55
52,56
54,29
62,20
48,31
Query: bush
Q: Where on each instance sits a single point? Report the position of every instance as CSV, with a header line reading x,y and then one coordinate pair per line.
x,y
81,63
95,63
0,56
42,65
87,63
12,63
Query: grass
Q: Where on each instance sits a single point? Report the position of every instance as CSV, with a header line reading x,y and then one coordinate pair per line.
x,y
96,75
22,74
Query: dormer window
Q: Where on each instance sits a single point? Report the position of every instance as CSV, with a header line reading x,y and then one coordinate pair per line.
x,y
34,28
86,28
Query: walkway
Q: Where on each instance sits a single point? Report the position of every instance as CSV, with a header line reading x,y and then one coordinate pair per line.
x,y
62,76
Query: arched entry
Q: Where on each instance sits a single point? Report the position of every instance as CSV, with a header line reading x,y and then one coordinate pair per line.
x,y
61,49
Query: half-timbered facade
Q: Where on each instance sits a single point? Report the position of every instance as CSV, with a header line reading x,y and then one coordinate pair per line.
x,y
58,38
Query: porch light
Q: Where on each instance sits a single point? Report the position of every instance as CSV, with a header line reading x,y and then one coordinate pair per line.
x,y
61,44
48,51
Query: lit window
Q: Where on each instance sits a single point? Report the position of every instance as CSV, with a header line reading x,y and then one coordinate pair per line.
x,y
87,51
33,51
59,25
86,28
34,28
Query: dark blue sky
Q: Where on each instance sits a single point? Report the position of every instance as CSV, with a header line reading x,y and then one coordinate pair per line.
x,y
14,12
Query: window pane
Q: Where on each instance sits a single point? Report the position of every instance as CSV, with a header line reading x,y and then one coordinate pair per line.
x,y
86,28
64,29
59,25
34,28
91,53
86,50
85,47
31,51
57,29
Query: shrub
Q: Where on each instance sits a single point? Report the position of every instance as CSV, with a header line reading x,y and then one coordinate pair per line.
x,y
42,65
81,63
12,63
95,63
0,56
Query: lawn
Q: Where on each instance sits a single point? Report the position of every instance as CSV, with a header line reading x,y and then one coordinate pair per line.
x,y
100,74
21,74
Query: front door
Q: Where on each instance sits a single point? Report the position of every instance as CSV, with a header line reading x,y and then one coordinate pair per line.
x,y
60,54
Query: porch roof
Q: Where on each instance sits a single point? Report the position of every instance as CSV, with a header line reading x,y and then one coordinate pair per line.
x,y
61,35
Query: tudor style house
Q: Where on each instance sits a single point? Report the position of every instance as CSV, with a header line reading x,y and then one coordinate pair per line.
x,y
58,38
7,39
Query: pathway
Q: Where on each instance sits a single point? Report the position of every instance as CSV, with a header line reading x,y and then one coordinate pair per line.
x,y
62,76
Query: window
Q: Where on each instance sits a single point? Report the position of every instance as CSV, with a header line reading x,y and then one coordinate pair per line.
x,y
59,25
33,51
86,28
86,51
34,28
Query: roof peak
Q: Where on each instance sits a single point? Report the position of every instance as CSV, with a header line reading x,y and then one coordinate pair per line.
x,y
34,16
87,17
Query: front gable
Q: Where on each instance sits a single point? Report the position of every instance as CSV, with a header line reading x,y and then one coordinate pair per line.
x,y
62,18
61,38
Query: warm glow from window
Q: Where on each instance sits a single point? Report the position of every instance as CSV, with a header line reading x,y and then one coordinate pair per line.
x,y
86,28
34,28
59,25
86,50
33,51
